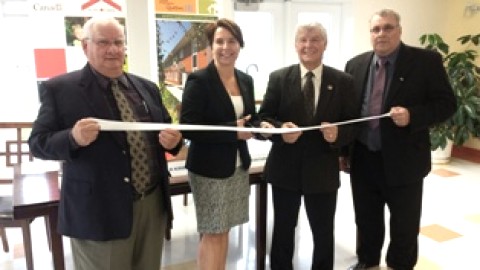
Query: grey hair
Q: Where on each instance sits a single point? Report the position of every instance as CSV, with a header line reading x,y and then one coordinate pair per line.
x,y
92,23
387,13
313,26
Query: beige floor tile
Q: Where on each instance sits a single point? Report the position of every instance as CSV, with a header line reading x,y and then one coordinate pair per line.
x,y
444,172
439,233
426,264
474,218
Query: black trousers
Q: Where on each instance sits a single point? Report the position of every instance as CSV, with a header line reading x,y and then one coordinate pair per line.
x,y
370,196
320,209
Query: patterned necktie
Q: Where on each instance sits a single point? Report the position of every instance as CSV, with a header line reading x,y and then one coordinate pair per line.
x,y
138,148
376,97
309,96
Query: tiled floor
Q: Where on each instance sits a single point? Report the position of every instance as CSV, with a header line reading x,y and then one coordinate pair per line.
x,y
449,240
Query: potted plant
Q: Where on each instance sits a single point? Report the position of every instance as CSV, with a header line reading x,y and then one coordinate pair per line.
x,y
464,76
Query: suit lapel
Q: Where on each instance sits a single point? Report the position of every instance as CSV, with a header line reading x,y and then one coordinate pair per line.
x,y
295,81
94,96
219,91
327,89
401,71
244,92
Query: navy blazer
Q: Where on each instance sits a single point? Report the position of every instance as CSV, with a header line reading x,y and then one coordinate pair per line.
x,y
205,101
96,201
420,84
310,165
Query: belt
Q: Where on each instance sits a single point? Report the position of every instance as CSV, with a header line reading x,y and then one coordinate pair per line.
x,y
141,195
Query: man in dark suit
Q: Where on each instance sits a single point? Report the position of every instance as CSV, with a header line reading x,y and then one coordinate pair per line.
x,y
391,157
112,220
305,164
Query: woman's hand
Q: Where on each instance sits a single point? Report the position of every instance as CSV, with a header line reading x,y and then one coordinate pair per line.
x,y
244,135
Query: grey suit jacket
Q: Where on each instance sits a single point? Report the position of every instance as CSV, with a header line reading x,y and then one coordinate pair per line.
x,y
309,165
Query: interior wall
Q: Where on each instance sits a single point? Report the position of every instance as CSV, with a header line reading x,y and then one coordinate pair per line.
x,y
461,21
447,18
417,17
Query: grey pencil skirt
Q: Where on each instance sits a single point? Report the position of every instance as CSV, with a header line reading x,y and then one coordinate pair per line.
x,y
220,204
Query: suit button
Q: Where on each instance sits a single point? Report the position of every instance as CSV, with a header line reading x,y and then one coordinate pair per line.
x,y
124,152
126,179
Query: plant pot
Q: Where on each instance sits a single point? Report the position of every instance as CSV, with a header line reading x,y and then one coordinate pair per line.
x,y
442,156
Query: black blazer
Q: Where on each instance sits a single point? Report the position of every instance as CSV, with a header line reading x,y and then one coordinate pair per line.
x,y
420,84
96,201
205,101
309,165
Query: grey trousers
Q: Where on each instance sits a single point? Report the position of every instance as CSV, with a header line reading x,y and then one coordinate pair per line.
x,y
142,250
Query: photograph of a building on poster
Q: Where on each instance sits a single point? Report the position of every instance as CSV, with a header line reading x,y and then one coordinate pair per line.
x,y
182,47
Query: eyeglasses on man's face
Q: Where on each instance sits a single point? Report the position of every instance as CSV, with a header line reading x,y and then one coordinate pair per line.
x,y
105,43
387,28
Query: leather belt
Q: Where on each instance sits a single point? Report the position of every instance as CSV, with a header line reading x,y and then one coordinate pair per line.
x,y
140,196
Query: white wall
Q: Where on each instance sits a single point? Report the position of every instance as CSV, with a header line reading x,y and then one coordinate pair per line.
x,y
18,96
417,17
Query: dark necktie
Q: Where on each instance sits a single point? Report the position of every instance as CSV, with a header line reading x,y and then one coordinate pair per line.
x,y
138,148
376,97
309,96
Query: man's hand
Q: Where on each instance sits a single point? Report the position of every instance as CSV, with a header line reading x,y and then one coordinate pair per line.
x,y
400,116
85,131
265,124
330,133
290,137
169,138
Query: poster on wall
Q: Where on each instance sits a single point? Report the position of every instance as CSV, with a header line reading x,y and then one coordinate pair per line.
x,y
182,47
62,52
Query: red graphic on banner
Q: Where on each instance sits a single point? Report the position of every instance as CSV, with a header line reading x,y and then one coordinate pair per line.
x,y
50,62
108,2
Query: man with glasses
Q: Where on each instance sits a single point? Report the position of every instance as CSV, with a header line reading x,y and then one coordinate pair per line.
x,y
391,156
115,203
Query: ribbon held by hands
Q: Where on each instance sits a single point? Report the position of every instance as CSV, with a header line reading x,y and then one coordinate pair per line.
x,y
111,125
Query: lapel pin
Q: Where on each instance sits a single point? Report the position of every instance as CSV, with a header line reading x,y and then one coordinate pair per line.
x,y
330,87
402,79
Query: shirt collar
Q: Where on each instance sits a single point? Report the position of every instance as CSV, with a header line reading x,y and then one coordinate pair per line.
x,y
105,81
391,57
317,71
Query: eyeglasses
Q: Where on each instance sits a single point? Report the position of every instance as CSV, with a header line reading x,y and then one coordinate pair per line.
x,y
386,29
105,43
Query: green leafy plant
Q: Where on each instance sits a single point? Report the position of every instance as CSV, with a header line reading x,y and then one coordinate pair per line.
x,y
464,77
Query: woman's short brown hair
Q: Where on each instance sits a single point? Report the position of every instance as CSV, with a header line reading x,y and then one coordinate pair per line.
x,y
230,25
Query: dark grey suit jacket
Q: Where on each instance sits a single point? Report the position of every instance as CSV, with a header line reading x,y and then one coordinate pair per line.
x,y
420,84
96,201
309,165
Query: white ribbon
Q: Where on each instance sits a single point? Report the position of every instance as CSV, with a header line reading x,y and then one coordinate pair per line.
x,y
111,125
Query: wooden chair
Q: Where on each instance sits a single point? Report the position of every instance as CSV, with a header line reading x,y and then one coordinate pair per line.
x,y
7,221
16,149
